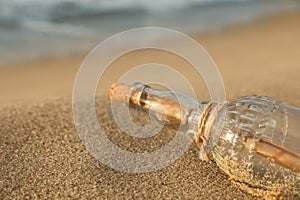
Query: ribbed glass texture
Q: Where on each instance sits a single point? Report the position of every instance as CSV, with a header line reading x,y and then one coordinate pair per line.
x,y
259,144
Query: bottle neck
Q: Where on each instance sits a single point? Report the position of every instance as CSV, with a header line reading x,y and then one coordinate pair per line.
x,y
175,110
208,131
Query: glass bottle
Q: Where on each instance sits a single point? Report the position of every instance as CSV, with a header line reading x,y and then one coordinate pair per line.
x,y
254,139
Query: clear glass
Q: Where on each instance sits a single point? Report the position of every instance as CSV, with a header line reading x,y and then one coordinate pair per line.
x,y
259,144
255,140
169,107
292,141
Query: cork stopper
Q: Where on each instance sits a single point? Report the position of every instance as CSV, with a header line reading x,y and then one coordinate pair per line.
x,y
118,92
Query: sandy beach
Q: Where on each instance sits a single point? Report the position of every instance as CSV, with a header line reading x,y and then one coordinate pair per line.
x,y
43,157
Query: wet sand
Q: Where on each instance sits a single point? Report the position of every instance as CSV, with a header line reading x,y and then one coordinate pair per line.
x,y
42,155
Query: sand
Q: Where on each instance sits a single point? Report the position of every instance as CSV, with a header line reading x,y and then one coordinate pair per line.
x,y
42,155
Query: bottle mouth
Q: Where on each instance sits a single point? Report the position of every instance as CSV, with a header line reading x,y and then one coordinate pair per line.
x,y
118,92
130,94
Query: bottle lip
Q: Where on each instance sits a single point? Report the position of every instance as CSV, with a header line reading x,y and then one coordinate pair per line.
x,y
135,93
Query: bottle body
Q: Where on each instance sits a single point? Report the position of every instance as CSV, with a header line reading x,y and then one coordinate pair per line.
x,y
257,146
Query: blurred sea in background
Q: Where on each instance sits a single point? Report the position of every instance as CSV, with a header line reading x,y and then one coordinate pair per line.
x,y
32,29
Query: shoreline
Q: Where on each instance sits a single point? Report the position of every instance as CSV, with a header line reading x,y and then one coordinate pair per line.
x,y
30,38
266,49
